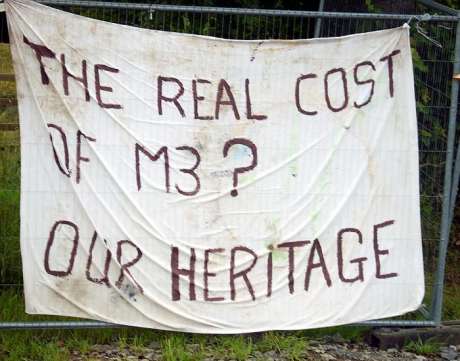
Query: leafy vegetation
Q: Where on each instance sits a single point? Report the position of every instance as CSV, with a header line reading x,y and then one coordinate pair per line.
x,y
420,347
293,346
7,89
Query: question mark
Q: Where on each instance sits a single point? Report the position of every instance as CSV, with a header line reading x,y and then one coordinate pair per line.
x,y
240,170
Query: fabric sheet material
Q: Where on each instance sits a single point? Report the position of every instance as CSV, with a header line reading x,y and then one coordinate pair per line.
x,y
184,182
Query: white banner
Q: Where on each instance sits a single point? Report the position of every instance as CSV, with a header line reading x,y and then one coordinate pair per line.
x,y
190,183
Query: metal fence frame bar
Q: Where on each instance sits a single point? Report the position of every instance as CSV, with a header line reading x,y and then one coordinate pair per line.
x,y
455,183
99,324
53,325
240,11
438,286
318,21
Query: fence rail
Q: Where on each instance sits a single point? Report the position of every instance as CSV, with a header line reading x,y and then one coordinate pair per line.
x,y
240,11
436,95
6,77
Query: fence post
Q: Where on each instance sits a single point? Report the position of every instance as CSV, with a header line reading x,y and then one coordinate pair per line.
x,y
438,286
318,20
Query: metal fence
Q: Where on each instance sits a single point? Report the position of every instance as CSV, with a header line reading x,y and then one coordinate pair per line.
x,y
436,94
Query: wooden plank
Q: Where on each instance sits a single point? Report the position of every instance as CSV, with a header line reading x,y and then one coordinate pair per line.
x,y
7,102
8,126
6,77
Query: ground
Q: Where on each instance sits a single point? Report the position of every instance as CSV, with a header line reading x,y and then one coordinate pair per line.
x,y
326,349
271,346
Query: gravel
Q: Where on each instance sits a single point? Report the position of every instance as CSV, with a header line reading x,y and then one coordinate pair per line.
x,y
327,349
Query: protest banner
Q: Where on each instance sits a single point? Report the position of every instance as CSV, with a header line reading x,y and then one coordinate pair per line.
x,y
191,183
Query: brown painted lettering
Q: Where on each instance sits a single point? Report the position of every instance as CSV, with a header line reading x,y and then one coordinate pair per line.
x,y
64,170
207,274
79,157
153,158
243,273
124,267
389,59
362,82
41,51
223,85
381,252
83,79
249,114
197,98
345,89
176,272
162,98
108,257
360,276
191,171
73,252
99,87
269,274
240,170
297,93
316,248
291,246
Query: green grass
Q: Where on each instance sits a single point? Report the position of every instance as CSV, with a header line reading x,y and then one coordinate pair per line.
x,y
422,348
176,347
40,345
7,89
34,350
9,115
234,347
451,308
10,265
350,334
291,345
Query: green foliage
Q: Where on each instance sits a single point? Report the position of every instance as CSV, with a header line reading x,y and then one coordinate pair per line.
x,y
348,333
35,351
83,345
234,347
174,347
10,266
454,4
6,64
139,343
371,7
7,88
420,347
9,115
451,307
417,61
292,346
